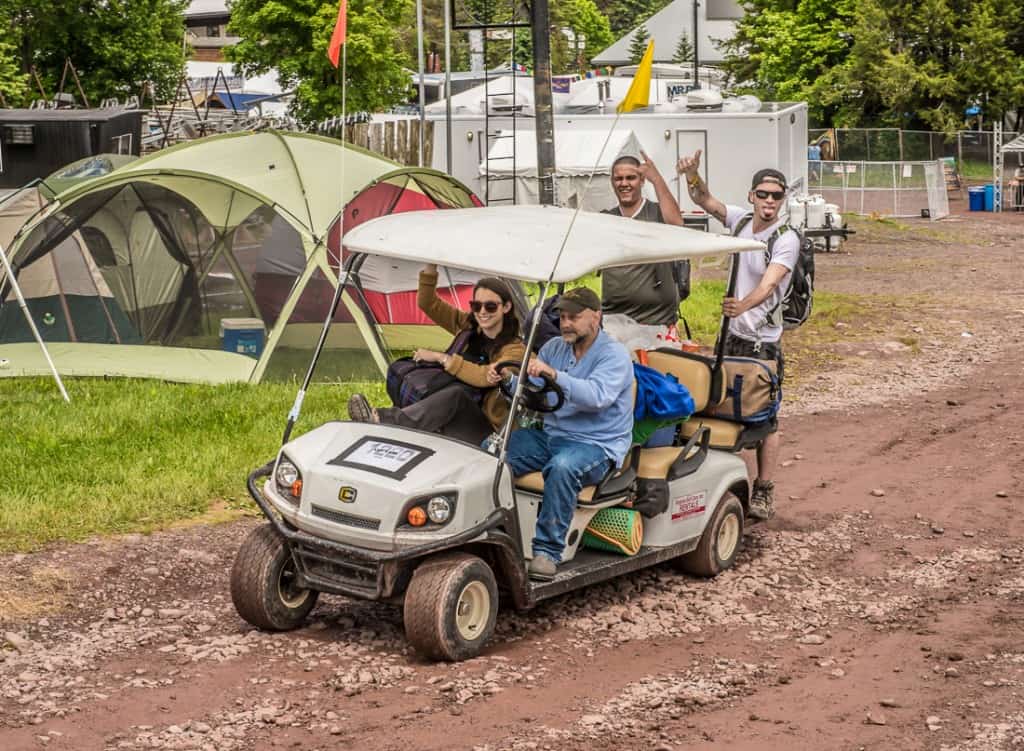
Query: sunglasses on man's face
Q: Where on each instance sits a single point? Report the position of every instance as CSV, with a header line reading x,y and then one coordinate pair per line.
x,y
490,306
778,195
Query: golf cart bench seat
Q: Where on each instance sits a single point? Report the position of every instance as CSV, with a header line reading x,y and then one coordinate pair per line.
x,y
727,435
612,490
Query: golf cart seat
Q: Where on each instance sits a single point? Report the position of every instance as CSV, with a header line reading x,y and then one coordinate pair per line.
x,y
696,372
612,489
727,435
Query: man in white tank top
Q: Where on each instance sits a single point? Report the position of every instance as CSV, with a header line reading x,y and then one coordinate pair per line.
x,y
756,327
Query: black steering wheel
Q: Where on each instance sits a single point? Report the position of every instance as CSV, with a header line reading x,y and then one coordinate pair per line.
x,y
534,397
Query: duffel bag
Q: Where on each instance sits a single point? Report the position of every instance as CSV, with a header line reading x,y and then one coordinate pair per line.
x,y
408,381
752,391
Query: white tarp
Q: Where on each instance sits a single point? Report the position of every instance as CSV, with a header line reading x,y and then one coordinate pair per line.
x,y
1014,146
522,242
577,154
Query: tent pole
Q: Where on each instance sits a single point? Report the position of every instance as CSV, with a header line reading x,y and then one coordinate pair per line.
x,y
32,324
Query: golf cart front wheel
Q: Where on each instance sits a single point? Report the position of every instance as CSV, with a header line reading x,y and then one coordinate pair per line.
x,y
451,606
720,543
264,584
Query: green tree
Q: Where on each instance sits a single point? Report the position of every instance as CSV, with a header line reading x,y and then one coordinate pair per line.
x,y
638,44
13,83
114,45
915,64
684,50
585,18
292,36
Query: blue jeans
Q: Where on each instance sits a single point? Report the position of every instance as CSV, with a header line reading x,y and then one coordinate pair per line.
x,y
567,466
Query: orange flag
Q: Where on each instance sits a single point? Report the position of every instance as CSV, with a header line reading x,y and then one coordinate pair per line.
x,y
338,37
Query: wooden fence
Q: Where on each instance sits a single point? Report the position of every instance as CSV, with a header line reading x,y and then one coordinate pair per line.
x,y
395,139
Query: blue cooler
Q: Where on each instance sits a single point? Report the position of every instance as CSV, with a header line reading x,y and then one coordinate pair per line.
x,y
990,197
976,199
242,335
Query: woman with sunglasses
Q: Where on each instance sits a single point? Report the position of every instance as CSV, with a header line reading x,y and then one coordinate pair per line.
x,y
490,330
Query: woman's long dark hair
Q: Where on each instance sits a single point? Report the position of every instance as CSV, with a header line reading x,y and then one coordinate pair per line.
x,y
510,321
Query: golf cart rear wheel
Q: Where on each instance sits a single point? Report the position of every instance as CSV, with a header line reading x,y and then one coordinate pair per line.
x,y
720,543
451,606
264,583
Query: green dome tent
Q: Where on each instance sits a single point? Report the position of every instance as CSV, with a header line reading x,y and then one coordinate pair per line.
x,y
225,232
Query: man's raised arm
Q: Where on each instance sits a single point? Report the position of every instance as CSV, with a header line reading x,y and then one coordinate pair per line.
x,y
688,168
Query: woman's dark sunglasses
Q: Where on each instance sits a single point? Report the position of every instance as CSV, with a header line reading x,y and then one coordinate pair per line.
x,y
778,195
490,306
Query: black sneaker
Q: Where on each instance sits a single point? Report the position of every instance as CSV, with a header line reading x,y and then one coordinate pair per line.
x,y
762,500
359,409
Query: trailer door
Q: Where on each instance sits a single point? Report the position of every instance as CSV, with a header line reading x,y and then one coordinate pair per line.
x,y
687,142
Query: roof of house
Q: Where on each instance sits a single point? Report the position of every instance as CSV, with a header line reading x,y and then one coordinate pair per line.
x,y
199,9
665,27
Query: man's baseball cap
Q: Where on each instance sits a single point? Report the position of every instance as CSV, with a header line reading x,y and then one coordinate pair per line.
x,y
768,176
574,300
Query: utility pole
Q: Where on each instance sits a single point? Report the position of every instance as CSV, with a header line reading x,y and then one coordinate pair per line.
x,y
696,45
544,119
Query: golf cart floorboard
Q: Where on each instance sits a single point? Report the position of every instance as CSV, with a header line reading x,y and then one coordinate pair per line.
x,y
593,566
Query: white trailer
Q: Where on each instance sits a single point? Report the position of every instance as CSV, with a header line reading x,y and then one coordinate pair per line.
x,y
734,145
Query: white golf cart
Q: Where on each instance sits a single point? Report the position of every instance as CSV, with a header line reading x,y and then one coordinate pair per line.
x,y
386,513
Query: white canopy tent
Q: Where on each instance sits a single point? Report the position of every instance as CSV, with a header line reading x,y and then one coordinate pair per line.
x,y
577,154
522,242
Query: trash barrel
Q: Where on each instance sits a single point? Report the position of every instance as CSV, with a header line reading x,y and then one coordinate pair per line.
x,y
990,197
976,199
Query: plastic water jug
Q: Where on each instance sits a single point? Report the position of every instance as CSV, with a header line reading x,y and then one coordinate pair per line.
x,y
815,212
797,211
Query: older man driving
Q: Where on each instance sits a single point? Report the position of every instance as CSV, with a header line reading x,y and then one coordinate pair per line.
x,y
588,434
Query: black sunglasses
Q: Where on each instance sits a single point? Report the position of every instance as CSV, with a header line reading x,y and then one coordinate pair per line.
x,y
778,195
490,306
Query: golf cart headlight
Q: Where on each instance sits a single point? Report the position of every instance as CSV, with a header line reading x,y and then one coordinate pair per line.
x,y
288,479
439,509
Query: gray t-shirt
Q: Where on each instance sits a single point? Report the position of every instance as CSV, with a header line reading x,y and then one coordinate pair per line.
x,y
753,325
645,292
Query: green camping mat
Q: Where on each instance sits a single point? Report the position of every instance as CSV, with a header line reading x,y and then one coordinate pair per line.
x,y
615,530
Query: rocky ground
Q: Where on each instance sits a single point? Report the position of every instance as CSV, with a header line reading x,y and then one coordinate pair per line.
x,y
883,607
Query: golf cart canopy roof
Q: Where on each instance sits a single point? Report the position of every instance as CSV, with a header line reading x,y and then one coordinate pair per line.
x,y
522,242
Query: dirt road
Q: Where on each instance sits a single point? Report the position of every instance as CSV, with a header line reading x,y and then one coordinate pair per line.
x,y
882,608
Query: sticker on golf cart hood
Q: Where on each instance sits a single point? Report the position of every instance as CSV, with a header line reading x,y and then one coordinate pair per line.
x,y
689,505
382,456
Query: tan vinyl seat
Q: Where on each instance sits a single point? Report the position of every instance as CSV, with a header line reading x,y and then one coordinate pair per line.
x,y
724,434
694,372
654,463
534,482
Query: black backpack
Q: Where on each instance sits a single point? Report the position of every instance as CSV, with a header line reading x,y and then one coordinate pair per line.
x,y
798,299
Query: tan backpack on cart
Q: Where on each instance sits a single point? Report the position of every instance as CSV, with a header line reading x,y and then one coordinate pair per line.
x,y
752,391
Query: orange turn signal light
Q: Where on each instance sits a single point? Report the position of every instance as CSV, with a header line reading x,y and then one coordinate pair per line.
x,y
296,489
417,517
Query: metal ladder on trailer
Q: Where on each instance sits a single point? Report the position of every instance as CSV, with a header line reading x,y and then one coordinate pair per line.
x,y
486,19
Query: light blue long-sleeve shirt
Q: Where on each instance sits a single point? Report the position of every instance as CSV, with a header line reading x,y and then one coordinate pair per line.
x,y
598,390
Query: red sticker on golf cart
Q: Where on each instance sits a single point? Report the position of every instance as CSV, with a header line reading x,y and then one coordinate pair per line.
x,y
689,505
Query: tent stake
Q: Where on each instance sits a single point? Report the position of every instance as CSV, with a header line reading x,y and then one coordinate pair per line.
x,y
31,323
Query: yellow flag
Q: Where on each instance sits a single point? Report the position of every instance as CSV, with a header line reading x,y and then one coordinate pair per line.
x,y
639,93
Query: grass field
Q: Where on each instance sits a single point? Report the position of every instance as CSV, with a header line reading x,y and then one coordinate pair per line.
x,y
134,456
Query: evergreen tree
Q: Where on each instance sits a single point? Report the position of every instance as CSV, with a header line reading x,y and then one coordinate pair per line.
x,y
684,50
638,44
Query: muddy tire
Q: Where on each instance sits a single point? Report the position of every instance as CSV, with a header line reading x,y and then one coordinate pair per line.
x,y
263,583
451,606
720,543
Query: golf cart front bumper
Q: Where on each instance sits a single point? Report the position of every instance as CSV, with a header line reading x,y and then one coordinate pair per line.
x,y
337,568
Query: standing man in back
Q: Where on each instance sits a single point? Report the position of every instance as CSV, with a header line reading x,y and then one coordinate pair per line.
x,y
761,284
648,293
